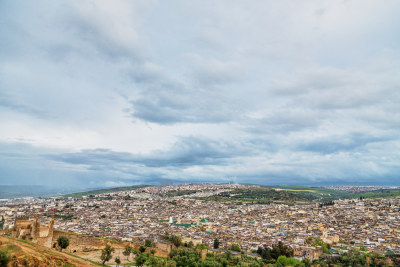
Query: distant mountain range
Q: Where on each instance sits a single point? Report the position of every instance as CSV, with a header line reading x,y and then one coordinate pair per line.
x,y
16,191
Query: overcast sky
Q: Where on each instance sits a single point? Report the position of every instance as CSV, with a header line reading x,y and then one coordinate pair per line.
x,y
107,93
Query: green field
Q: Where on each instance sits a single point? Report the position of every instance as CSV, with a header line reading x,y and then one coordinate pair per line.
x,y
325,194
259,195
298,190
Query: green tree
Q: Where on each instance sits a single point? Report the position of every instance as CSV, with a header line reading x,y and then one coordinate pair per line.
x,y
148,243
285,261
106,254
117,261
142,249
63,242
4,258
166,236
127,252
228,255
306,262
176,240
140,259
235,247
276,251
216,243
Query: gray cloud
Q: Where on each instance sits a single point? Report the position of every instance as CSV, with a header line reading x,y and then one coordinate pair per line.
x,y
268,92
334,144
189,151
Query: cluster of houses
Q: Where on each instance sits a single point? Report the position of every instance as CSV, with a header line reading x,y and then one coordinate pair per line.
x,y
370,225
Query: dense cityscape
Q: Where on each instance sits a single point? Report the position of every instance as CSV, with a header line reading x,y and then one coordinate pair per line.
x,y
200,133
148,213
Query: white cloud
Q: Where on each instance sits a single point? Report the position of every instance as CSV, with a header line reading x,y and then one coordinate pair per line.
x,y
304,90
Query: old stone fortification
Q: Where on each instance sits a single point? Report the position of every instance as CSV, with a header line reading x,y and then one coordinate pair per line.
x,y
162,249
78,242
47,236
32,230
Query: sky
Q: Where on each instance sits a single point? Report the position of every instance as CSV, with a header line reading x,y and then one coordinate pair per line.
x,y
112,93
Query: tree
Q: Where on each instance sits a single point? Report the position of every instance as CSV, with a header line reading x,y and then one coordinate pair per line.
x,y
228,255
63,242
306,262
117,261
276,251
148,243
216,243
235,247
285,261
4,258
176,240
142,249
127,251
166,236
106,254
140,259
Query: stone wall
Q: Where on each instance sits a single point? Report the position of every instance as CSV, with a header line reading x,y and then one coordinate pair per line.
x,y
164,246
79,242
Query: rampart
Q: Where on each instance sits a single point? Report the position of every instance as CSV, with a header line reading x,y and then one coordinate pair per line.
x,y
47,236
78,242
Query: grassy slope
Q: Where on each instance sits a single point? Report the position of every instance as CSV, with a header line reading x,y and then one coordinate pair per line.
x,y
259,195
326,194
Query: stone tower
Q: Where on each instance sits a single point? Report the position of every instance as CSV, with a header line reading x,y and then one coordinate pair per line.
x,y
51,225
49,237
35,227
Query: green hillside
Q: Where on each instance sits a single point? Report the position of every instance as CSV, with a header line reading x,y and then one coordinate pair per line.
x,y
326,194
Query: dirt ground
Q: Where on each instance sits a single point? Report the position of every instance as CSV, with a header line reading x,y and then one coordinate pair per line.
x,y
94,255
29,254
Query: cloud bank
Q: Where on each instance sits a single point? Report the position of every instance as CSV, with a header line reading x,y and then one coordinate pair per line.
x,y
103,93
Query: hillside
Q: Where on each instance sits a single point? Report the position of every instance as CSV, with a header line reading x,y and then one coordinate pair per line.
x,y
106,190
260,194
326,194
24,253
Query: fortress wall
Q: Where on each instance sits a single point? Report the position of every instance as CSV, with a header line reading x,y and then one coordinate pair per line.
x,y
164,246
159,252
79,242
43,232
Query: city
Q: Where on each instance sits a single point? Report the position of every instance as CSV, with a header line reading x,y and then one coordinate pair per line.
x,y
200,133
147,213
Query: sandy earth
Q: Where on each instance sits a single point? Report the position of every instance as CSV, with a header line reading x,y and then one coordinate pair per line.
x,y
36,255
95,256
